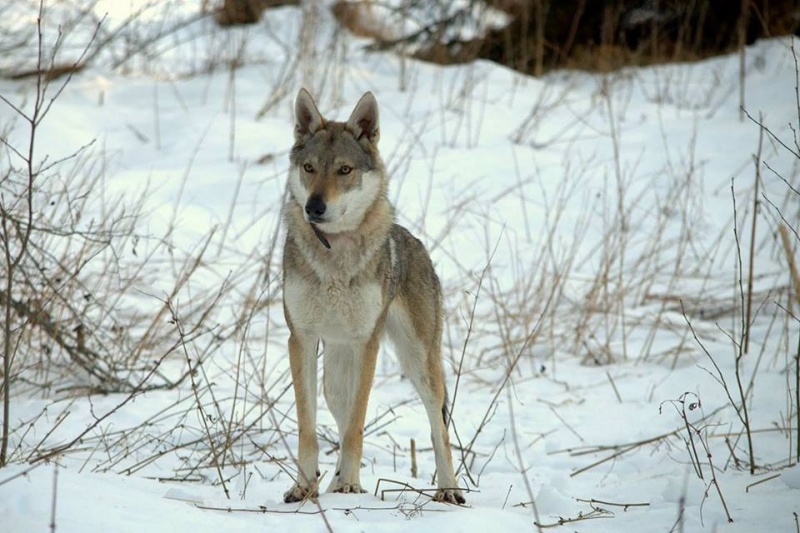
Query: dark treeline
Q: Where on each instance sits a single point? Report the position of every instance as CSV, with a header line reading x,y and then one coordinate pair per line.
x,y
595,34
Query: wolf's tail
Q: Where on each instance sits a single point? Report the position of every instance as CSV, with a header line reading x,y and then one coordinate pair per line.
x,y
446,409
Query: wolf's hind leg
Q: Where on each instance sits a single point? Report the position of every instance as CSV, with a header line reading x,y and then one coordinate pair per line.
x,y
422,364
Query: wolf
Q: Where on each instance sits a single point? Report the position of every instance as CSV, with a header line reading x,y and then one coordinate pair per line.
x,y
350,276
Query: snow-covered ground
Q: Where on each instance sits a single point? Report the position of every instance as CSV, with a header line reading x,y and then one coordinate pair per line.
x,y
570,218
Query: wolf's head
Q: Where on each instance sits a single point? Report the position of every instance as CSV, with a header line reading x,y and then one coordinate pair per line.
x,y
336,173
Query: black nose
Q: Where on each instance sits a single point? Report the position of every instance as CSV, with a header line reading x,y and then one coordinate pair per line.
x,y
315,207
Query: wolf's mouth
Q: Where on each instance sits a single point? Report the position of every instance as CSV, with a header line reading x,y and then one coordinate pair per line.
x,y
326,218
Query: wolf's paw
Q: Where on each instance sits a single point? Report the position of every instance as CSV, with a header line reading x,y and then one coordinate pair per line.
x,y
453,496
348,488
299,494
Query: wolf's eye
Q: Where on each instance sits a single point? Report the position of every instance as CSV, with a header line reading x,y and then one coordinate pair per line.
x,y
345,170
308,167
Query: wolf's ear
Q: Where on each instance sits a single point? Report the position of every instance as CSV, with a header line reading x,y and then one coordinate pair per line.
x,y
307,118
363,122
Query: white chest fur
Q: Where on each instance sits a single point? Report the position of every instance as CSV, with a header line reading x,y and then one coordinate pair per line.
x,y
333,311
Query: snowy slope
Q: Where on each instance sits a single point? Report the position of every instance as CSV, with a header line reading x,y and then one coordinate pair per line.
x,y
598,202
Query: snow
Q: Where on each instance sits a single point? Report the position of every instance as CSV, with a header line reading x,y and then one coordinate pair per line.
x,y
489,167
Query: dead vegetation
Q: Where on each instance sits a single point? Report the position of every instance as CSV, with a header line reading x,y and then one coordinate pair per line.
x,y
541,35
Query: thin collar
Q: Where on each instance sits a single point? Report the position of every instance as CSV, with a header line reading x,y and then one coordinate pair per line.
x,y
320,236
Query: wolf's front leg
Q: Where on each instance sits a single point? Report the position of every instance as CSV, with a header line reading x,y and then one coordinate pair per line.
x,y
349,371
303,362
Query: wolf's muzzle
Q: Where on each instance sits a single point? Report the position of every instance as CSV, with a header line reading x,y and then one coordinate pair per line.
x,y
315,208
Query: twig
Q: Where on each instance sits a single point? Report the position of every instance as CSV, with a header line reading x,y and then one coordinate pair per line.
x,y
507,375
12,260
760,481
59,420
744,13
140,388
751,265
53,499
449,415
741,351
614,386
720,376
624,506
315,486
774,137
797,397
260,510
405,487
469,331
566,424
505,501
521,461
21,473
621,449
683,401
714,482
79,354
679,520
692,430
413,459
595,513
489,459
202,415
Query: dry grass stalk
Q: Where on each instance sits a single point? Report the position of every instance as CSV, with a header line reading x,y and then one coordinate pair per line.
x,y
790,260
413,459
742,408
595,513
406,488
751,264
